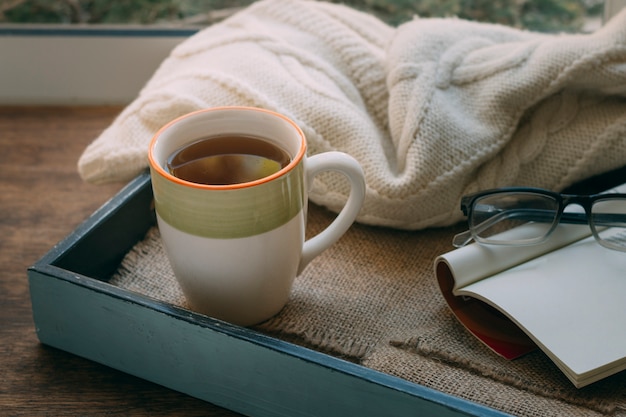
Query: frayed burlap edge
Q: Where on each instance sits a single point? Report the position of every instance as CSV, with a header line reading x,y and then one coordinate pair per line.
x,y
527,373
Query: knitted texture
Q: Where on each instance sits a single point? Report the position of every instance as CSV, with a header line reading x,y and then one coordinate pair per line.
x,y
432,110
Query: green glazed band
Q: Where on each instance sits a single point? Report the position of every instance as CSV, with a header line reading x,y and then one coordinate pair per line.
x,y
230,213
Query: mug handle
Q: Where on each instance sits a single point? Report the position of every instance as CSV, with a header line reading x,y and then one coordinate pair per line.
x,y
350,168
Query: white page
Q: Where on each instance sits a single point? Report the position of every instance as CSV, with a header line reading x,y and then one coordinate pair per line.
x,y
572,302
475,262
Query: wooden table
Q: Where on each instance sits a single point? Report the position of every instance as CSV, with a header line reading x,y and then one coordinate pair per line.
x,y
42,200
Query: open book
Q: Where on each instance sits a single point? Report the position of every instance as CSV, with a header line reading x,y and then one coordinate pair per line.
x,y
566,296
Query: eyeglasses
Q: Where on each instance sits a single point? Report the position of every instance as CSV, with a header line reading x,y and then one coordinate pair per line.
x,y
527,216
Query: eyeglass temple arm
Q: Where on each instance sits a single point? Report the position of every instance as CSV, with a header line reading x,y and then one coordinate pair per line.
x,y
462,239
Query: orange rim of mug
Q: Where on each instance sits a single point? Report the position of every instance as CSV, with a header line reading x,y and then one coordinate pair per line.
x,y
294,162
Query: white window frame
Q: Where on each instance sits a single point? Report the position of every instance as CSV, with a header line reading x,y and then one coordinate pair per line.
x,y
84,65
65,65
612,7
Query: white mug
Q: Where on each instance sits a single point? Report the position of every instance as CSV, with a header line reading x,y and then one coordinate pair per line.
x,y
236,249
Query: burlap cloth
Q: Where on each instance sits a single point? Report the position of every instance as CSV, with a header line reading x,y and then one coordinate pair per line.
x,y
372,299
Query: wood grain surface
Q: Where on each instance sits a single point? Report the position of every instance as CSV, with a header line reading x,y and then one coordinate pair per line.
x,y
42,199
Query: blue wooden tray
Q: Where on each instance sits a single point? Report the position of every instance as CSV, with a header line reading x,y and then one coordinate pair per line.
x,y
75,309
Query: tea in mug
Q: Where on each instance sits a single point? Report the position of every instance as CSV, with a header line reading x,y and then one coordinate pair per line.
x,y
224,160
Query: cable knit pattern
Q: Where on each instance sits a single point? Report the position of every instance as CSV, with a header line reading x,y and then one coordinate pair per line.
x,y
432,110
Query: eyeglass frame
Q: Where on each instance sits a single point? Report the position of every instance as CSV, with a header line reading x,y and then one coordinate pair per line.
x,y
585,201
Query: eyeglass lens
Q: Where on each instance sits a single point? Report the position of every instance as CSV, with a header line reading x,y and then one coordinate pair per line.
x,y
608,221
513,218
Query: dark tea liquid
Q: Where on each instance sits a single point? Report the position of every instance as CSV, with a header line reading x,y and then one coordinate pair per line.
x,y
225,160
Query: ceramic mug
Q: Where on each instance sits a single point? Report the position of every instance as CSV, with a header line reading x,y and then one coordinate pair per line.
x,y
236,249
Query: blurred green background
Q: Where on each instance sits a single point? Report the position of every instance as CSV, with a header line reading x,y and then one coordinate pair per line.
x,y
538,15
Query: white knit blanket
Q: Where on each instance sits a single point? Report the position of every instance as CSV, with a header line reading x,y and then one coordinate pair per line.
x,y
432,110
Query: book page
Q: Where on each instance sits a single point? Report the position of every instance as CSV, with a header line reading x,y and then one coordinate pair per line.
x,y
469,264
475,262
571,303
